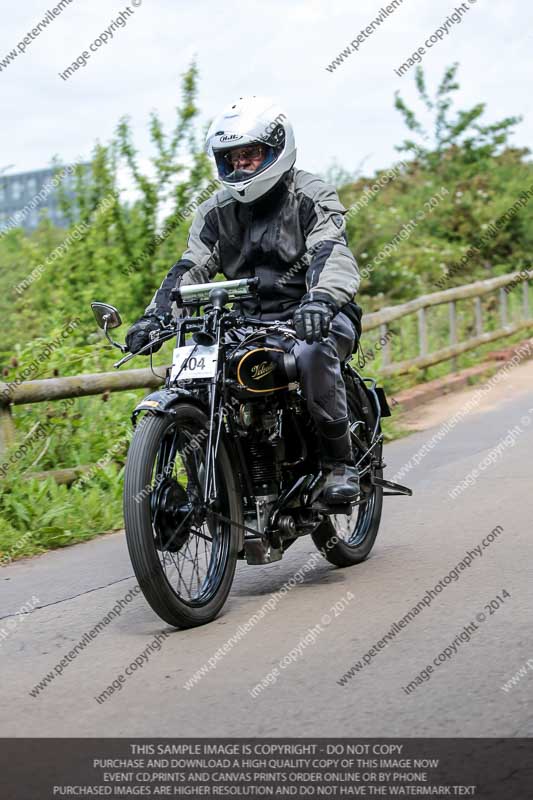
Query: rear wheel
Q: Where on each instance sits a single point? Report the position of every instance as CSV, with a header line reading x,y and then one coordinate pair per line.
x,y
182,548
347,539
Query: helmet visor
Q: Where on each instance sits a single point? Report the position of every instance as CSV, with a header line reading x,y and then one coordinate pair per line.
x,y
238,164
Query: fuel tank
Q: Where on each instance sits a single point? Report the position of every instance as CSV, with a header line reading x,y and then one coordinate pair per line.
x,y
261,370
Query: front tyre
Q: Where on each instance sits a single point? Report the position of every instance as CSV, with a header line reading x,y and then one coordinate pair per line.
x,y
183,548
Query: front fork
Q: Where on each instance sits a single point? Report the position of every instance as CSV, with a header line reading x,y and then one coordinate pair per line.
x,y
209,479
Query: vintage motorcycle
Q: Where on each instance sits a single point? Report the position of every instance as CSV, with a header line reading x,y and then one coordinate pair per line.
x,y
224,460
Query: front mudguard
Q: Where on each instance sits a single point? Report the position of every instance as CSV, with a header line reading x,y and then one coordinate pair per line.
x,y
163,401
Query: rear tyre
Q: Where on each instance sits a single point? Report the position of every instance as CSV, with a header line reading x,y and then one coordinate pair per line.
x,y
347,539
183,550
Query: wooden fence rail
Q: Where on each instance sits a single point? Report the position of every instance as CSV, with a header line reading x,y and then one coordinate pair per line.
x,y
39,391
382,319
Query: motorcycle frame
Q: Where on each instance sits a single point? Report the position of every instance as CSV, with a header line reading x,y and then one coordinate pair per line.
x,y
214,395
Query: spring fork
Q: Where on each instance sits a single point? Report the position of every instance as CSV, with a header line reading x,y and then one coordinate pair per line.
x,y
210,463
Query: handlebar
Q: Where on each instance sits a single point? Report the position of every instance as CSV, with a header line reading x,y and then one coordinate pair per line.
x,y
195,294
195,323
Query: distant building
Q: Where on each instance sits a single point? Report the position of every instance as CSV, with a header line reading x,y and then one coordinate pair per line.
x,y
25,195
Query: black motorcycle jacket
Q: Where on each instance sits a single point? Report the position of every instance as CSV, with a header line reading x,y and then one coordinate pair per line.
x,y
293,239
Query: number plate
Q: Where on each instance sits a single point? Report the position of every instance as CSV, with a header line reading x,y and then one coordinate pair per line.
x,y
202,363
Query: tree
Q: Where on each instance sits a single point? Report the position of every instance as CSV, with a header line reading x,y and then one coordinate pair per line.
x,y
117,248
462,132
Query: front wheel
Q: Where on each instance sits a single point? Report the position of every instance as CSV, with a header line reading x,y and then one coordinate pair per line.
x,y
183,548
347,539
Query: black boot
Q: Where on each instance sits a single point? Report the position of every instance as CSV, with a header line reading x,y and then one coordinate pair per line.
x,y
342,476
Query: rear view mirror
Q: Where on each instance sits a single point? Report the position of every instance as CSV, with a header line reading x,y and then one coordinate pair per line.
x,y
106,316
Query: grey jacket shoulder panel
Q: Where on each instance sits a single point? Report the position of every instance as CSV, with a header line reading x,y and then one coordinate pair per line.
x,y
333,268
317,190
218,199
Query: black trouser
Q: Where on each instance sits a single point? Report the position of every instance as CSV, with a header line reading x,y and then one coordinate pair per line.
x,y
319,370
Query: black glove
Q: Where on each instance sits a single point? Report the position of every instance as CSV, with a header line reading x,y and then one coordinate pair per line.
x,y
313,317
139,334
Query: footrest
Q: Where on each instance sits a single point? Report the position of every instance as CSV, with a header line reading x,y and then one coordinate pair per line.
x,y
396,488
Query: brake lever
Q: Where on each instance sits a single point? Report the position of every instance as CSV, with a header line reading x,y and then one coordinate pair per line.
x,y
146,348
124,360
289,332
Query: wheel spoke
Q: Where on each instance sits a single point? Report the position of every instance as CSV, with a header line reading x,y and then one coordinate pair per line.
x,y
202,536
192,570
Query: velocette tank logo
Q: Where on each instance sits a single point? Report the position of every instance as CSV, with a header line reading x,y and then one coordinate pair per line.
x,y
261,370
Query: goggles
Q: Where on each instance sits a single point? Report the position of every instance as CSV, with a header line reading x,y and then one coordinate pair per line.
x,y
249,153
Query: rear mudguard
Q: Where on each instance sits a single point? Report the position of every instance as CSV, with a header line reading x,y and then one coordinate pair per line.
x,y
383,403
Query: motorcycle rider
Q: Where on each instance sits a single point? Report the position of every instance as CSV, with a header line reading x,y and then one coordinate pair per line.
x,y
285,226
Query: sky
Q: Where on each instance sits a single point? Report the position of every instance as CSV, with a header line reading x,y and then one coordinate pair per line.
x,y
279,48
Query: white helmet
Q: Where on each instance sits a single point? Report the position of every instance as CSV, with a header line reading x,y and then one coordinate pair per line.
x,y
252,120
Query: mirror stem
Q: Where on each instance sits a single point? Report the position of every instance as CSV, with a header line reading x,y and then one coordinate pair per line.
x,y
121,347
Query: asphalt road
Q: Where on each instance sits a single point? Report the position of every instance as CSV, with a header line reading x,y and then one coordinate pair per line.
x,y
421,540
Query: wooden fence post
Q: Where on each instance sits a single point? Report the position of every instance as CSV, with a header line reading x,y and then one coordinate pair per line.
x,y
479,316
422,332
384,331
7,427
503,307
452,309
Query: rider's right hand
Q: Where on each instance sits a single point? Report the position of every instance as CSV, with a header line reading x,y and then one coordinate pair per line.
x,y
139,334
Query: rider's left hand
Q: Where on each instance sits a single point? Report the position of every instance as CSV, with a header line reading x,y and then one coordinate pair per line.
x,y
312,318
